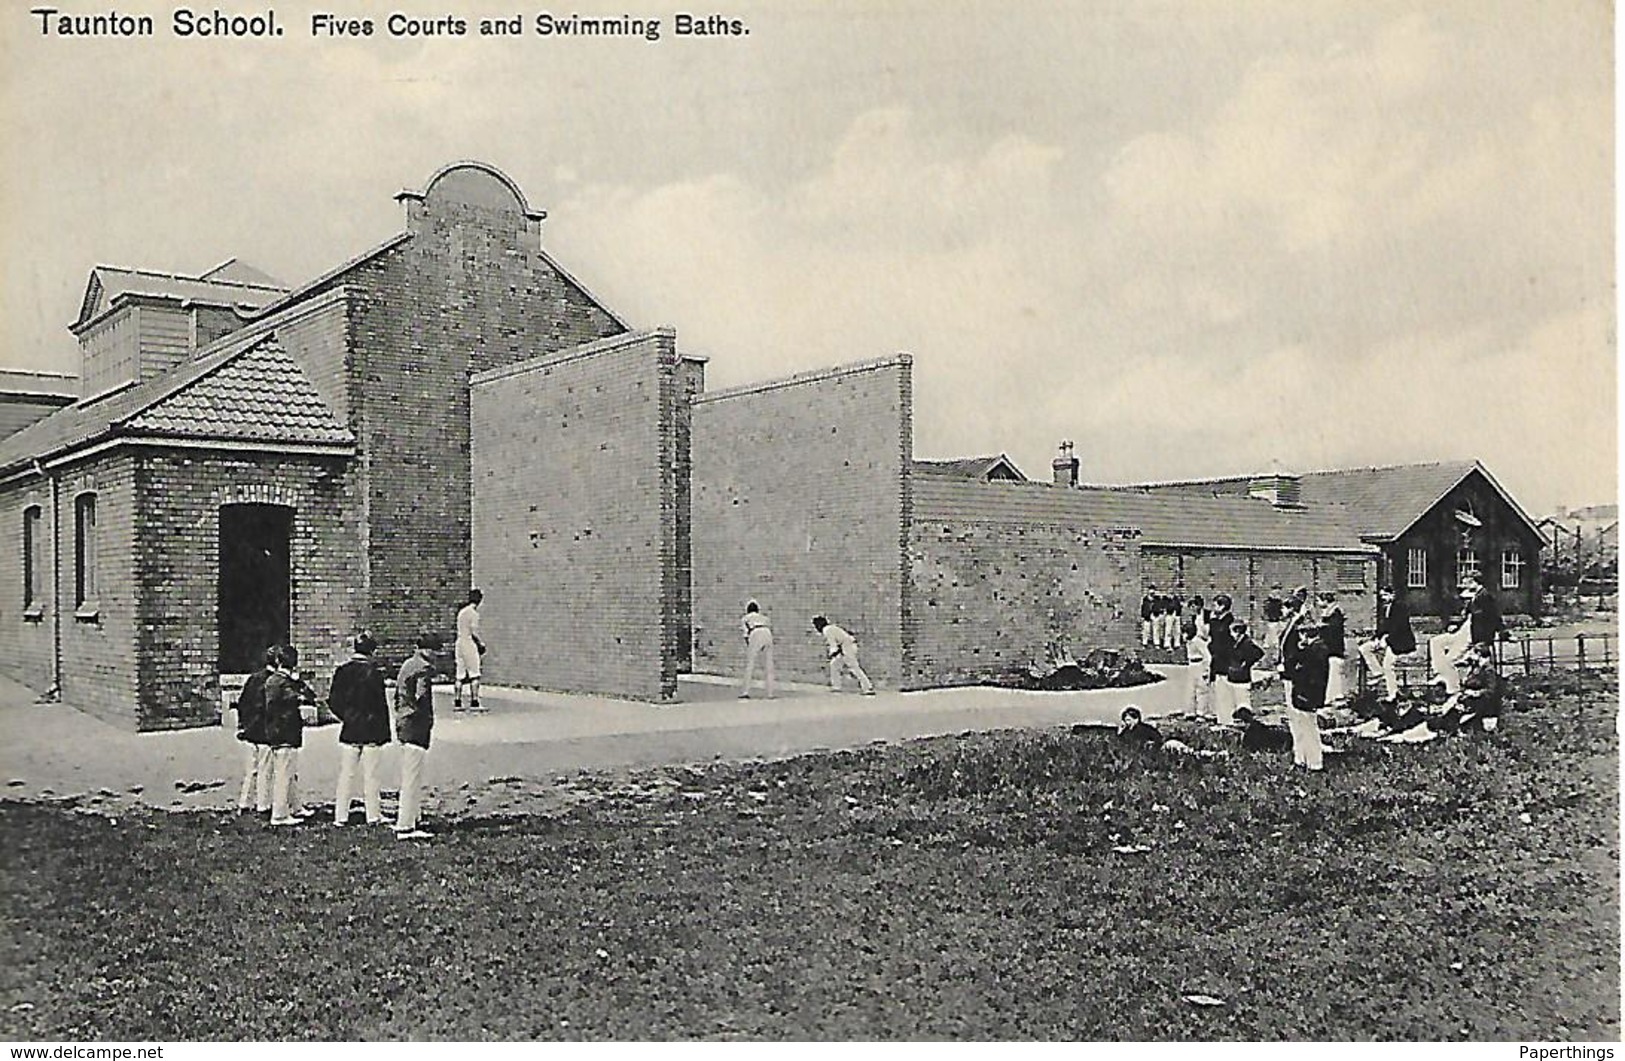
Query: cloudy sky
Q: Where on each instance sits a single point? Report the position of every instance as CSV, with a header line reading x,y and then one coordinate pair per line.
x,y
1195,237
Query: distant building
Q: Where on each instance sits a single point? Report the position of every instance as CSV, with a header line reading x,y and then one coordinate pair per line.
x,y
1434,523
29,396
1583,542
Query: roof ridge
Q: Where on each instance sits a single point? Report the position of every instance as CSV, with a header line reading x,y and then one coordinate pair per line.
x,y
203,278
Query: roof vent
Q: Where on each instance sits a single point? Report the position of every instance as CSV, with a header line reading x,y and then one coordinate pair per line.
x,y
1279,487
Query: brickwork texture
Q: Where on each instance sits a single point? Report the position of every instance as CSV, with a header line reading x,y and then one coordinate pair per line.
x,y
575,517
799,504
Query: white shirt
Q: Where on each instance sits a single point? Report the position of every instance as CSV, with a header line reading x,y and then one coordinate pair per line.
x,y
754,621
838,640
468,623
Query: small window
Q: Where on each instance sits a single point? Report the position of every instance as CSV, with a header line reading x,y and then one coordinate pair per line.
x,y
84,550
1351,576
1466,565
33,559
1416,569
1511,569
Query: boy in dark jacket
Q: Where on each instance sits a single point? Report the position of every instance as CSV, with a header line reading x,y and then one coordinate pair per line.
x,y
289,706
255,793
1334,632
1238,673
414,723
1307,670
1394,639
357,698
1218,646
1259,736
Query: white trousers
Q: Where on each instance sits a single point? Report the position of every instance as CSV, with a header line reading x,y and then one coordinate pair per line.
x,y
285,801
367,756
406,818
1381,660
760,646
1236,694
1445,651
1145,631
848,661
1336,679
1201,694
255,793
1305,727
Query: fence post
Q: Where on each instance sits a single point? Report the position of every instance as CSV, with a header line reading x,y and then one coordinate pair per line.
x,y
1580,648
1525,646
1551,653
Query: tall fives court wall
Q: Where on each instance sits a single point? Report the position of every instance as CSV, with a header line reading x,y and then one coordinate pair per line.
x,y
800,502
575,517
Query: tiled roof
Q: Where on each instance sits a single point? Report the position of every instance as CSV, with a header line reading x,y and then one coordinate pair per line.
x,y
109,282
1381,503
259,396
1384,502
1166,519
248,391
965,467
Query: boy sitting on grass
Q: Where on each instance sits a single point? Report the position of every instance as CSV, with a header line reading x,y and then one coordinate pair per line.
x,y
1259,736
1132,729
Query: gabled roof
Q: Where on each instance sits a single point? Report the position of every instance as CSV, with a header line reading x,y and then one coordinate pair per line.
x,y
241,272
997,467
249,391
109,283
1381,503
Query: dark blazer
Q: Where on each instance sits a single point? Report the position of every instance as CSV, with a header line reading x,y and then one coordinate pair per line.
x,y
1140,734
1334,625
414,701
357,699
1219,642
284,726
1484,617
1263,737
1395,628
251,708
1244,655
1308,671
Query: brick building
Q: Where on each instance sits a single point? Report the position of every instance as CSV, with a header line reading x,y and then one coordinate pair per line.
x,y
251,462
1433,524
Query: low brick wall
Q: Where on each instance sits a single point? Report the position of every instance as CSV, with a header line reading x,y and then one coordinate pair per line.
x,y
988,595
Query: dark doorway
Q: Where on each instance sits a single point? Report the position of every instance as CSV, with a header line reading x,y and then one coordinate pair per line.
x,y
255,580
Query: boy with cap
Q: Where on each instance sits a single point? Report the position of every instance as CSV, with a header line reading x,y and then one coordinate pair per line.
x,y
842,650
358,700
1306,671
414,722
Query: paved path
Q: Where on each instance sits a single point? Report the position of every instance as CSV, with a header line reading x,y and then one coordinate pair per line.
x,y
528,742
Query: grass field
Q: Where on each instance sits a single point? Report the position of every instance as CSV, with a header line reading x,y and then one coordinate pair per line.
x,y
950,888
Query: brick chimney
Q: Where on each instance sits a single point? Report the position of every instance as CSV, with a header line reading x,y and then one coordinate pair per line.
x,y
1065,465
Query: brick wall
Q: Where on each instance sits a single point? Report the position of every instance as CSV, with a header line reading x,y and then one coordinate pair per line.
x,y
178,558
575,517
800,503
989,595
470,291
1249,576
99,639
26,637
